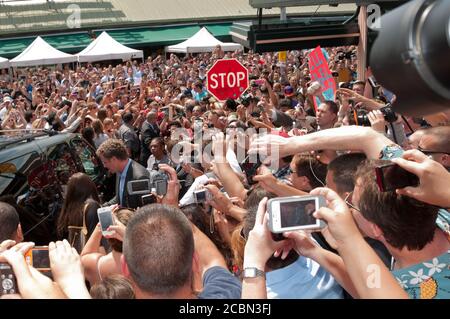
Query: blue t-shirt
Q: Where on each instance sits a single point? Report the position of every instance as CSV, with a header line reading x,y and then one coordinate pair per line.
x,y
303,279
219,283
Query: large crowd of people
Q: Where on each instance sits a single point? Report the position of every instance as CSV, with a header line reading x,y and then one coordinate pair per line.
x,y
155,120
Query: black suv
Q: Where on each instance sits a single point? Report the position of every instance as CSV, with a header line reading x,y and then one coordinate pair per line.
x,y
34,171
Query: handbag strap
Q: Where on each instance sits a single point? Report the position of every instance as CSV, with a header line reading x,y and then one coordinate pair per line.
x,y
84,229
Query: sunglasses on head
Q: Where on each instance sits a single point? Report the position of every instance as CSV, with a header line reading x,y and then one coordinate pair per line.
x,y
430,152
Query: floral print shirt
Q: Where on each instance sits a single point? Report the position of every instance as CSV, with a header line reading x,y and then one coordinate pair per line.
x,y
430,279
427,280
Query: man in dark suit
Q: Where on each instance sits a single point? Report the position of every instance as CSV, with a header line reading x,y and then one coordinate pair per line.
x,y
114,156
149,131
128,135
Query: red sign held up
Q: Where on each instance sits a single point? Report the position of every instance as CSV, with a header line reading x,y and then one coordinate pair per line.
x,y
320,72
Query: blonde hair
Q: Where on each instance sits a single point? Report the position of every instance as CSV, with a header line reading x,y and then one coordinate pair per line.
x,y
238,246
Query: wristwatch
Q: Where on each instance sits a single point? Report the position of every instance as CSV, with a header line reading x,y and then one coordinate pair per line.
x,y
253,272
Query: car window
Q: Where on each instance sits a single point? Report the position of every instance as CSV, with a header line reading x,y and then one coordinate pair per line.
x,y
87,156
15,172
62,163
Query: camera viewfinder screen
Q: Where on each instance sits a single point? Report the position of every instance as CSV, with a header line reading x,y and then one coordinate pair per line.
x,y
297,213
140,186
105,220
41,259
200,196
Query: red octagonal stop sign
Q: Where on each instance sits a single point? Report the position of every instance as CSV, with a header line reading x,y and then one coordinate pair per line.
x,y
227,79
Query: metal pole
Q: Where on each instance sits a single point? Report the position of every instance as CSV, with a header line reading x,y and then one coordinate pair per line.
x,y
260,17
362,46
283,14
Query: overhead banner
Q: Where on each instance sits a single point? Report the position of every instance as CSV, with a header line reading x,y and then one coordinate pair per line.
x,y
320,72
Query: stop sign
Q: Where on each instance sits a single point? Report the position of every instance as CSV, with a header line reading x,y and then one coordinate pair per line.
x,y
227,79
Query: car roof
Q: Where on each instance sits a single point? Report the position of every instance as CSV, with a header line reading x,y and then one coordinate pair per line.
x,y
13,147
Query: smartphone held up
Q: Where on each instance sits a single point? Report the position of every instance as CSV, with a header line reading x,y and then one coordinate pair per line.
x,y
390,177
106,219
295,213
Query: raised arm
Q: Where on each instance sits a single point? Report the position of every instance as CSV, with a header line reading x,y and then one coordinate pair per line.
x,y
354,138
229,179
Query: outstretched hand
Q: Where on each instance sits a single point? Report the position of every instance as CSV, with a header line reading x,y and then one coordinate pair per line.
x,y
434,187
340,221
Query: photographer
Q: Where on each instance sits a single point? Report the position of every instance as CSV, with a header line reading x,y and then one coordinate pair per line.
x,y
291,275
66,270
98,265
356,255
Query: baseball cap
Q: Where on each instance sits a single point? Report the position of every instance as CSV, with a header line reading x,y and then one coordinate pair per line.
x,y
7,99
288,91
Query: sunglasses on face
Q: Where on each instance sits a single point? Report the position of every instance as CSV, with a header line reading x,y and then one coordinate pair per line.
x,y
348,201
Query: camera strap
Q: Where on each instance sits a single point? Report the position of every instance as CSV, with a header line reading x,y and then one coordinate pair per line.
x,y
407,123
51,214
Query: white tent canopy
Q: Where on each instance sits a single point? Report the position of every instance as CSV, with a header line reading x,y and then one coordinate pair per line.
x,y
4,63
202,41
106,48
40,52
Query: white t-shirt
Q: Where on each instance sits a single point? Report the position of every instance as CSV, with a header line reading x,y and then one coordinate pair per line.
x,y
3,113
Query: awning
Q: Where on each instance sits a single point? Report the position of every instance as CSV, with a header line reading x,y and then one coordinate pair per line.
x,y
220,31
153,36
69,43
135,38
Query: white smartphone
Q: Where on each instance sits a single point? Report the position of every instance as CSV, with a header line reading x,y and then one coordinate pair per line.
x,y
294,213
106,219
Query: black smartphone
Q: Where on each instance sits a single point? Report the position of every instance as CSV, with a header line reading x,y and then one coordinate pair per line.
x,y
277,236
390,177
249,167
148,199
373,83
